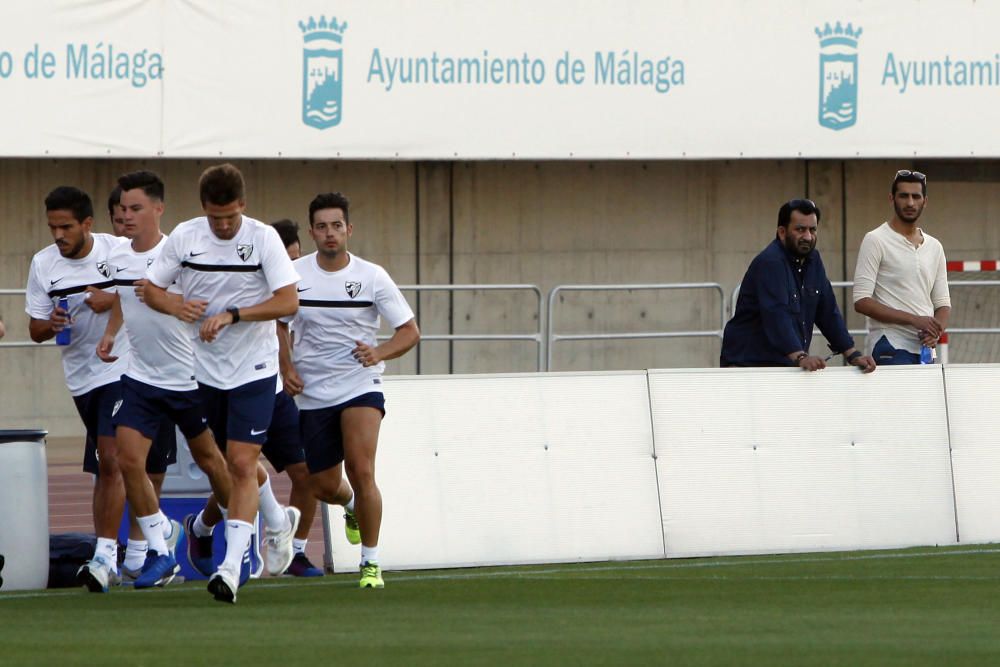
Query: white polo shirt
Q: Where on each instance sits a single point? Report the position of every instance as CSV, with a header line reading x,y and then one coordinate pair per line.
x,y
337,309
162,345
241,272
903,276
52,276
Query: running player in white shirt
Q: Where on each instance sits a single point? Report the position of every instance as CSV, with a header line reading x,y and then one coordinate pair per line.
x,y
336,367
283,449
159,380
163,452
76,268
236,280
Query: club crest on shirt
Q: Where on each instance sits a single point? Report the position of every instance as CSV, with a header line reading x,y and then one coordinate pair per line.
x,y
244,250
104,269
353,288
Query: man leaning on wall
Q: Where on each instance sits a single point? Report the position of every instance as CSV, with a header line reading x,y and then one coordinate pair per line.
x,y
784,293
901,280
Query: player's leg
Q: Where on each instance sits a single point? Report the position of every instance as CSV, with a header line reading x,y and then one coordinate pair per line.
x,y
283,449
248,416
302,497
109,490
147,445
360,426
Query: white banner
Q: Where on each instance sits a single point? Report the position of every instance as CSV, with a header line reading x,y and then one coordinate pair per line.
x,y
453,79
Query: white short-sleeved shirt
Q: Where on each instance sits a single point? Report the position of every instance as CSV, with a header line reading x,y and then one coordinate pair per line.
x,y
903,276
336,310
52,276
162,345
240,272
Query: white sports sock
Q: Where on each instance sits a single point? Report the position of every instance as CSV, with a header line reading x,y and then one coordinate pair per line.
x,y
108,549
349,505
272,511
369,554
299,546
135,553
152,529
238,535
199,527
167,528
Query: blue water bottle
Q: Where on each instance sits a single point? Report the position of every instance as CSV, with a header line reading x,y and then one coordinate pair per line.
x,y
926,355
66,335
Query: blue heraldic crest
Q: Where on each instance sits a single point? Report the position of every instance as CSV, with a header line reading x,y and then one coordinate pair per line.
x,y
322,72
838,76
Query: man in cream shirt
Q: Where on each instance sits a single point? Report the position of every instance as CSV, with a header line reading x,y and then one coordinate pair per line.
x,y
901,280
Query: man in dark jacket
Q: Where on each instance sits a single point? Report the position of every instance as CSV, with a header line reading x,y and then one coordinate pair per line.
x,y
784,293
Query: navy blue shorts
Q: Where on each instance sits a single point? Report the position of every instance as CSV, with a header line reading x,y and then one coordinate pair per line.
x,y
146,408
242,413
97,409
283,446
321,434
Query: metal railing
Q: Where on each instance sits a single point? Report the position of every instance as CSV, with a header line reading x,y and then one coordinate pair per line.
x,y
21,343
537,337
552,337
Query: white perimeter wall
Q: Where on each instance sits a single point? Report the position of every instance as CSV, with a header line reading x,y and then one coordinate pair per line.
x,y
563,467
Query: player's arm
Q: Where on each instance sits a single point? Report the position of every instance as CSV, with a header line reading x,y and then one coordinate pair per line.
x,y
289,376
98,300
403,339
45,321
169,303
115,321
284,302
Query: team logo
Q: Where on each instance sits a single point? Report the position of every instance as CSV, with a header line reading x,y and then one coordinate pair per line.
x,y
244,250
322,72
118,405
149,262
104,269
838,76
353,288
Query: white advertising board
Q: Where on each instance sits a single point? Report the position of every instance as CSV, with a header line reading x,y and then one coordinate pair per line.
x,y
445,79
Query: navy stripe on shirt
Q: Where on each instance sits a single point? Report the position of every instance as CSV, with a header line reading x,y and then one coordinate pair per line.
x,y
66,291
232,268
315,303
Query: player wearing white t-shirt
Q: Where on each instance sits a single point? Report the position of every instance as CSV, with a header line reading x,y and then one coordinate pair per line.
x,y
336,367
235,279
901,279
76,268
159,381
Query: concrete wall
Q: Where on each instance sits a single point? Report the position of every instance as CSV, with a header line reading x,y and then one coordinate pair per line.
x,y
546,223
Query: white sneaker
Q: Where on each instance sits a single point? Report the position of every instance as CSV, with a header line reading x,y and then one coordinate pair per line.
x,y
176,533
279,543
224,584
97,574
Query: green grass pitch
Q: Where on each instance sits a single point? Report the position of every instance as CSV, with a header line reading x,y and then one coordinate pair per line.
x,y
910,607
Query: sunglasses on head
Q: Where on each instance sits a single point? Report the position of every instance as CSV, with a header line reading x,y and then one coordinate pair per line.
x,y
905,173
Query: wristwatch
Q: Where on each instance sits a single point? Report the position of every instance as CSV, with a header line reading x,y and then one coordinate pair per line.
x,y
802,355
854,355
235,312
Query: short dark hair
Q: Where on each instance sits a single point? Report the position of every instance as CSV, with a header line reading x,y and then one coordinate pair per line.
x,y
68,198
149,182
221,185
288,230
803,206
329,200
907,176
114,199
